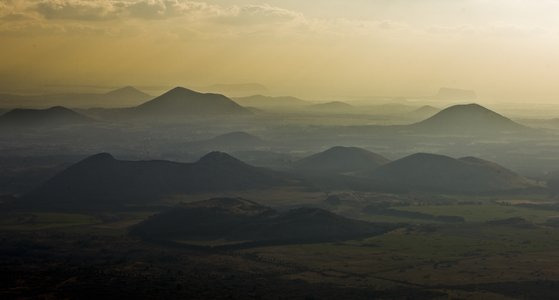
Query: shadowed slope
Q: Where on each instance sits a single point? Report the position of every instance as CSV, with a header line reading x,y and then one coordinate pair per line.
x,y
341,160
469,118
184,102
54,116
442,173
101,179
241,221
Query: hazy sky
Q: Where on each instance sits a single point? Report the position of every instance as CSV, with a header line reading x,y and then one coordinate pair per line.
x,y
506,49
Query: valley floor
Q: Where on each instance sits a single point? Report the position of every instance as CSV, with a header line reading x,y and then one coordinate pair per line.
x,y
500,251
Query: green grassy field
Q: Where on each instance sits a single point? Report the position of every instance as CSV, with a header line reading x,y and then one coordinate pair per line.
x,y
43,220
473,259
456,255
483,212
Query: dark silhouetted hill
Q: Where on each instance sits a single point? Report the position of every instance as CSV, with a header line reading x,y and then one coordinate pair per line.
x,y
239,221
54,116
445,174
103,180
341,160
468,119
184,102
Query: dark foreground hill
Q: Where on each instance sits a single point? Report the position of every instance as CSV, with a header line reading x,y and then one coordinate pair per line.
x,y
54,116
445,174
341,160
102,180
467,119
184,102
239,221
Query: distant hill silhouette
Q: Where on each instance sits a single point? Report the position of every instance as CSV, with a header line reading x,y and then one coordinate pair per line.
x,y
184,102
268,101
442,173
122,97
238,89
104,180
335,106
240,221
127,94
265,158
341,160
426,111
54,116
456,94
468,118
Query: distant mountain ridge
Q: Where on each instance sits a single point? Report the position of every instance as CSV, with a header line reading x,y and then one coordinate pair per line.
x,y
238,89
122,97
180,101
441,173
426,111
54,116
127,92
335,106
269,101
468,118
103,180
340,160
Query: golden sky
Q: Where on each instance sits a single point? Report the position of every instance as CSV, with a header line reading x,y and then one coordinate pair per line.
x,y
503,49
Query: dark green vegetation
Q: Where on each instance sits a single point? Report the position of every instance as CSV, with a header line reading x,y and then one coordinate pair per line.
x,y
499,251
240,222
